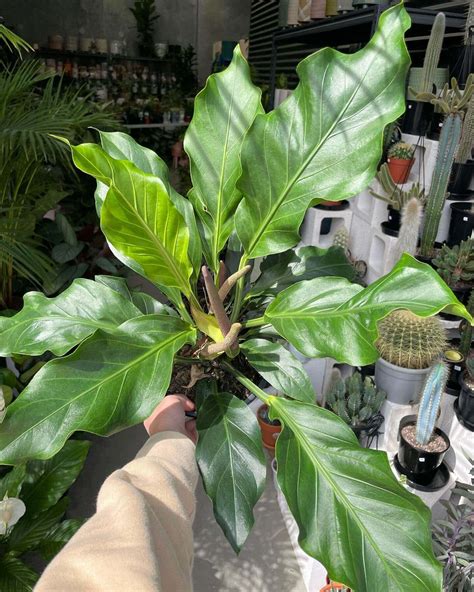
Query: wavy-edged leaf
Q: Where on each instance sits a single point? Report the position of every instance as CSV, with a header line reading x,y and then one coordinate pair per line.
x,y
123,147
16,576
110,382
11,483
304,263
28,533
353,515
118,284
57,537
231,460
60,278
330,317
325,140
280,368
140,221
58,324
48,480
223,113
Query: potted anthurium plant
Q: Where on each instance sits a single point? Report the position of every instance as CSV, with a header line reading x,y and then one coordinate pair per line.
x,y
254,176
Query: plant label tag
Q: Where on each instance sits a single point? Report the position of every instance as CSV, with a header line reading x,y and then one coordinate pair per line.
x,y
465,219
422,459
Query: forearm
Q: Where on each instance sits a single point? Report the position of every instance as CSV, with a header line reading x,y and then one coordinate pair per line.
x,y
141,535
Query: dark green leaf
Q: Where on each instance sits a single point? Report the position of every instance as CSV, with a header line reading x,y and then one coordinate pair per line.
x,y
325,140
118,284
149,305
16,576
304,263
48,480
30,531
110,382
106,264
11,483
57,537
280,368
66,229
231,460
352,514
57,279
330,317
223,112
63,253
58,324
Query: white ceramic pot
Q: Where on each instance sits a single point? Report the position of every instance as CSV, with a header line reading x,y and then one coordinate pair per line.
x,y
402,385
293,8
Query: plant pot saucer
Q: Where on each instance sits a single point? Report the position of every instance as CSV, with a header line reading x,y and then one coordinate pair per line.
x,y
461,196
465,424
439,481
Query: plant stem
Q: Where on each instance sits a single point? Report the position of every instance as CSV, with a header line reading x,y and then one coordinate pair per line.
x,y
185,361
184,313
258,322
252,387
239,289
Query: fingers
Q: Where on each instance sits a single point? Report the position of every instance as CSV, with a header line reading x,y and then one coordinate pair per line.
x,y
186,403
191,430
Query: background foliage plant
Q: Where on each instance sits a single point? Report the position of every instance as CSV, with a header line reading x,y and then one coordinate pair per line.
x,y
254,176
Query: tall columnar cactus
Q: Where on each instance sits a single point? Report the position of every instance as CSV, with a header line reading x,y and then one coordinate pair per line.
x,y
466,143
466,329
410,341
354,400
431,395
448,143
410,229
432,55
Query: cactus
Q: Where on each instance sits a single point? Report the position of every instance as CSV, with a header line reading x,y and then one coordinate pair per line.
x,y
456,264
464,152
394,195
433,390
432,55
409,230
354,400
401,150
469,28
466,329
448,142
341,239
409,341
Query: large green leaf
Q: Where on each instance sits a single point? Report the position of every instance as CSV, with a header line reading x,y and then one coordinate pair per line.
x,y
325,140
330,317
140,221
110,382
28,533
58,324
304,263
231,460
123,147
352,514
223,113
280,368
57,537
16,576
11,483
48,480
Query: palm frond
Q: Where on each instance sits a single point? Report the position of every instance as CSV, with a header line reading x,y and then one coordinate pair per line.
x,y
12,41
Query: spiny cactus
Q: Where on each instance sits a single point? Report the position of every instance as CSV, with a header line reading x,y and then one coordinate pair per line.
x,y
410,341
409,230
354,400
394,195
341,239
456,264
468,31
448,142
431,395
466,143
466,329
401,150
432,55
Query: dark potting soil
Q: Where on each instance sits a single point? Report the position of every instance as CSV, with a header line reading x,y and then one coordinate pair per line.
x,y
436,444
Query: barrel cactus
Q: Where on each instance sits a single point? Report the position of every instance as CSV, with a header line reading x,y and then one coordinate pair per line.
x,y
410,341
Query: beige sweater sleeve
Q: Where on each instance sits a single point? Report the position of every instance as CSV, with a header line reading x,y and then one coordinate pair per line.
x,y
140,538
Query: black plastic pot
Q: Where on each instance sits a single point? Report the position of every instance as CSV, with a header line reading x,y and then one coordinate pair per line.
x,y
461,177
419,466
461,224
417,118
436,126
464,405
456,368
388,229
394,218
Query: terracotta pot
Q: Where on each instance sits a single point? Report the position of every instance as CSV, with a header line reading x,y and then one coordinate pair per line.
x,y
269,432
399,169
330,585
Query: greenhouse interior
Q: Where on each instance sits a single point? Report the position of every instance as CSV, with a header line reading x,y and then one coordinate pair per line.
x,y
237,296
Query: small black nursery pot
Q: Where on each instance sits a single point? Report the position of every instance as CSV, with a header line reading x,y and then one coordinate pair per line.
x,y
418,118
461,177
464,406
462,222
419,463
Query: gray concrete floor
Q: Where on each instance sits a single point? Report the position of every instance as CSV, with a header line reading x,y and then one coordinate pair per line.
x,y
266,563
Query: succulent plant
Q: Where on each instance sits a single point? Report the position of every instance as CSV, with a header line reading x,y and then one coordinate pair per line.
x,y
453,541
466,143
394,195
354,400
401,150
341,239
432,55
433,390
456,264
466,329
410,341
409,229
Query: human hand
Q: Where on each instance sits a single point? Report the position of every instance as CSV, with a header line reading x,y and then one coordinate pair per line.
x,y
169,416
